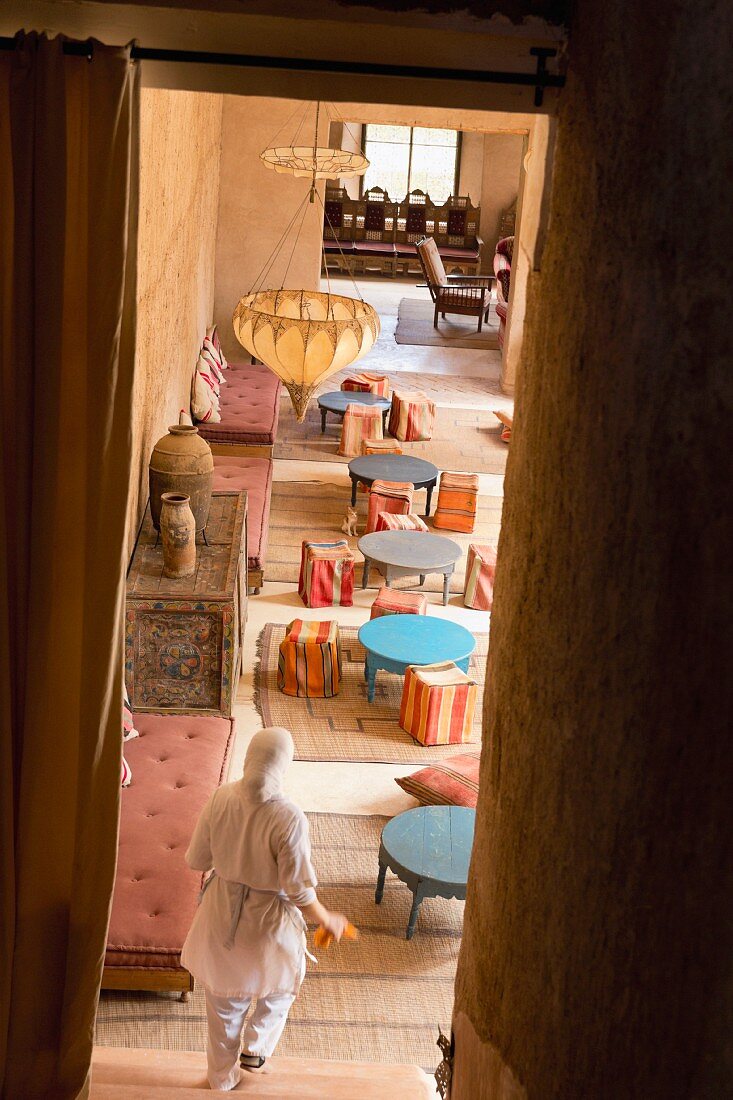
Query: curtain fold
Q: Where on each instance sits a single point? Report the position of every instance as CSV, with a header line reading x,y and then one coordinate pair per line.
x,y
68,202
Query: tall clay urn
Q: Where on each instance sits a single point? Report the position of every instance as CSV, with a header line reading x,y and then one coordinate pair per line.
x,y
178,535
182,462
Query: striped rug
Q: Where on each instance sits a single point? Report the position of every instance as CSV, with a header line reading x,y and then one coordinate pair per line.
x,y
381,999
347,727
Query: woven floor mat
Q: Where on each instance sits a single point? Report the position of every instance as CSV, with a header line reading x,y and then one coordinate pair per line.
x,y
348,727
381,999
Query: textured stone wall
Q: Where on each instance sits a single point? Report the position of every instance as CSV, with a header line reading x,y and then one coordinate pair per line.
x,y
596,960
179,193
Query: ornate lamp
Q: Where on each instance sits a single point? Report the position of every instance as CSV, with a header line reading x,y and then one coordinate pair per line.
x,y
303,336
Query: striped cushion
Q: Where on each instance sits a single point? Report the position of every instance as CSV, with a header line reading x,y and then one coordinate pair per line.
x,y
457,501
204,394
392,601
411,417
478,592
326,574
367,383
212,335
380,447
391,521
309,664
438,704
452,783
388,496
126,776
360,422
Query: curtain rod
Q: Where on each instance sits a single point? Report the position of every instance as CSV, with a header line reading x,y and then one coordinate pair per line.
x,y
539,80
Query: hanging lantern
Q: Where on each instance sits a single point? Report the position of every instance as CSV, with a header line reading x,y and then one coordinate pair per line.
x,y
304,336
316,164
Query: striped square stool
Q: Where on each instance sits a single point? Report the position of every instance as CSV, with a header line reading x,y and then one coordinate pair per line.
x,y
326,574
388,496
365,382
391,601
457,502
389,521
380,447
438,704
411,417
309,664
360,422
478,592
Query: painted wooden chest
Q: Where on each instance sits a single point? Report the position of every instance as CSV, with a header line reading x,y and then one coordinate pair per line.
x,y
183,638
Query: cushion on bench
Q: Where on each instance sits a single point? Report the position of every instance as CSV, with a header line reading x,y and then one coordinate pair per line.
x,y
255,476
459,253
177,761
249,405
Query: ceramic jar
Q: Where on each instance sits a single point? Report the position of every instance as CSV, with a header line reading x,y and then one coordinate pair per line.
x,y
178,535
182,462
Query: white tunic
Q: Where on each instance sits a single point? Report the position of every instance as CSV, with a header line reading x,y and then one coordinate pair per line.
x,y
247,938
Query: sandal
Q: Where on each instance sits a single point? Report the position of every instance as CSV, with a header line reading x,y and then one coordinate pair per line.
x,y
255,1063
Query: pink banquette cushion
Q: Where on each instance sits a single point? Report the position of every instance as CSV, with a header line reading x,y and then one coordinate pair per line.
x,y
249,406
255,476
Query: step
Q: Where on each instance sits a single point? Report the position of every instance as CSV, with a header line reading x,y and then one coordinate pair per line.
x,y
123,1073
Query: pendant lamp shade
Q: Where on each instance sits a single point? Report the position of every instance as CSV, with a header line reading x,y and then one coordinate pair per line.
x,y
304,336
316,164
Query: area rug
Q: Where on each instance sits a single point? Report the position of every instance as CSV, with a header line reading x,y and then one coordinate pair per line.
x,y
463,439
348,727
381,999
415,326
315,510
448,391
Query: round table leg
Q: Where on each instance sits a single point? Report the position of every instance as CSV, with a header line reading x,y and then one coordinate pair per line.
x,y
379,892
370,673
417,897
464,663
446,587
422,578
353,490
323,421
365,574
430,488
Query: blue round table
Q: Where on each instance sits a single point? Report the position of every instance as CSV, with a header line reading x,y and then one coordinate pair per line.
x,y
429,849
336,401
393,642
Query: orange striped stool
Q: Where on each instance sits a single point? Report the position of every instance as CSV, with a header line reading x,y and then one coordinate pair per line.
x,y
411,417
309,664
478,592
391,601
388,496
438,704
391,521
360,422
326,574
367,383
379,447
457,502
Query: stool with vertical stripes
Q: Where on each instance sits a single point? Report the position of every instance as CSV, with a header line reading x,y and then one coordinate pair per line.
x,y
364,382
393,601
411,417
388,496
438,704
407,521
478,592
457,501
309,663
360,422
326,574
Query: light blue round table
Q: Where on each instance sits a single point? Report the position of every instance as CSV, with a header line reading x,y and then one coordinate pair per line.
x,y
429,849
393,642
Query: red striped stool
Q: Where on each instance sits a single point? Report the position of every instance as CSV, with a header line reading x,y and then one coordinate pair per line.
x,y
309,664
326,574
388,496
379,447
478,592
364,382
438,704
457,502
391,601
360,422
389,521
411,417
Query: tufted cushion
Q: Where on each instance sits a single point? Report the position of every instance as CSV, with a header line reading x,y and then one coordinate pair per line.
x,y
177,760
464,254
255,476
249,406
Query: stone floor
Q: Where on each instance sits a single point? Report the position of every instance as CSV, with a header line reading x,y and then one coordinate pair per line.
x,y
350,787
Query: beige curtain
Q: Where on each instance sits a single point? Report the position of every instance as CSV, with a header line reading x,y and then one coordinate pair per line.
x,y
68,172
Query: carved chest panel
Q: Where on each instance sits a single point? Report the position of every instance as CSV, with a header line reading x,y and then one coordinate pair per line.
x,y
183,638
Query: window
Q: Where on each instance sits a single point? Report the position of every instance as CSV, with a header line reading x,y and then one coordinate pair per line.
x,y
403,158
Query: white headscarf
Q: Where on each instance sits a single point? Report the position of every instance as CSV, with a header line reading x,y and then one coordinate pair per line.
x,y
269,756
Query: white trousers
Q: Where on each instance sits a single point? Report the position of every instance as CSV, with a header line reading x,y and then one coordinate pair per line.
x,y
225,1017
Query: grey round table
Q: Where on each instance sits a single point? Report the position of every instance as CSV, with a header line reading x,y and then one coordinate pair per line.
x,y
409,554
429,849
336,402
369,468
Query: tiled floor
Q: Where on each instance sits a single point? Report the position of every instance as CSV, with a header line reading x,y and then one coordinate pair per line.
x,y
350,787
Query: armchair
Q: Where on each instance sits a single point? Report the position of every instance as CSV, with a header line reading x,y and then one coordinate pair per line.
x,y
469,295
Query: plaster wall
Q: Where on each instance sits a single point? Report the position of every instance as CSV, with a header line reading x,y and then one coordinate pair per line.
x,y
179,189
257,204
597,955
502,165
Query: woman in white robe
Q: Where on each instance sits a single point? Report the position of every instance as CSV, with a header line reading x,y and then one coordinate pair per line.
x,y
247,939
